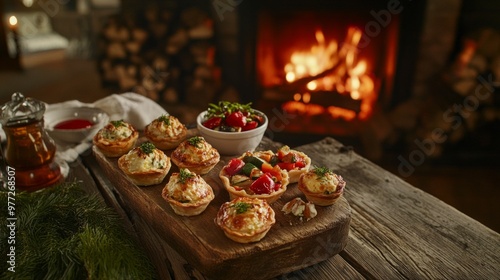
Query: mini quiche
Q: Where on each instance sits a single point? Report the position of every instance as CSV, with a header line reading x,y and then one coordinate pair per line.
x,y
250,176
187,193
165,132
293,162
245,219
145,165
195,154
321,186
116,138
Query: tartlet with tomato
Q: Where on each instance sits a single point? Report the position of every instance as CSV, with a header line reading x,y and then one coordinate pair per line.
x,y
250,176
294,162
232,117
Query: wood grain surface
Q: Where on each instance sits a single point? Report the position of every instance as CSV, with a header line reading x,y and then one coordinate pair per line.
x,y
396,230
291,244
401,232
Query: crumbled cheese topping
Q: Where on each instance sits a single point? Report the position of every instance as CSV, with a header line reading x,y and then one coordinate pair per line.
x,y
202,151
250,221
327,183
165,127
116,133
187,190
140,162
300,208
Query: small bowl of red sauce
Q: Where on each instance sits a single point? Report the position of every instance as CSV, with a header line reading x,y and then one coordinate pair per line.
x,y
74,124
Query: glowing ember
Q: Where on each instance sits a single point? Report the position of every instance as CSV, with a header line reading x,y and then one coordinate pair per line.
x,y
338,69
337,112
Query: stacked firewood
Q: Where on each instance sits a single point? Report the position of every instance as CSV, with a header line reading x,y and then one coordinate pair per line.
x,y
166,54
462,105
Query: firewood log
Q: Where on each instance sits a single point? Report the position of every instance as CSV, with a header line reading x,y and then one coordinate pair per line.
x,y
116,50
170,95
177,41
133,47
139,35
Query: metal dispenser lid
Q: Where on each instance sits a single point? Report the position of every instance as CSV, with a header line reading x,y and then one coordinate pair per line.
x,y
21,110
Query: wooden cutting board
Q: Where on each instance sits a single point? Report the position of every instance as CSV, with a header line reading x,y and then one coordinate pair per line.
x,y
291,244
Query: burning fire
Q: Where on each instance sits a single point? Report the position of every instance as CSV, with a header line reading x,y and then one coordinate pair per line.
x,y
328,67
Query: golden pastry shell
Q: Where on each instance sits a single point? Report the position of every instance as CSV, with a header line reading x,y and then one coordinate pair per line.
x,y
163,143
321,199
115,148
145,178
200,168
188,209
239,236
270,198
293,175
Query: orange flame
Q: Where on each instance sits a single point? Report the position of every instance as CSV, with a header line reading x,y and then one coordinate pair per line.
x,y
351,77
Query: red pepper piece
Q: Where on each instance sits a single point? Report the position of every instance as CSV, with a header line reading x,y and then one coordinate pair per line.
x,y
263,185
234,166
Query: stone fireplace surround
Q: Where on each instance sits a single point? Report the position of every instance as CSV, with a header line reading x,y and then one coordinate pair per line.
x,y
429,41
379,17
427,38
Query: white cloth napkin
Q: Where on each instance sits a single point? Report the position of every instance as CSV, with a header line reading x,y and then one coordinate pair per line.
x,y
133,108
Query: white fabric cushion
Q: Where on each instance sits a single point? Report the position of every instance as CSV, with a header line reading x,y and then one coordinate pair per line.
x,y
33,23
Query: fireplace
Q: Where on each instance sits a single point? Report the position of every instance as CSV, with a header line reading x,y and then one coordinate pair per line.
x,y
384,84
327,65
321,76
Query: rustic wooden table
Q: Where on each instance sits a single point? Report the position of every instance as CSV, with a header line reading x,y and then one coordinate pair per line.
x,y
396,230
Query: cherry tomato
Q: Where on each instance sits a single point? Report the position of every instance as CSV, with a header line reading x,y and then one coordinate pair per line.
x,y
236,119
234,166
263,184
258,118
300,163
212,122
286,165
250,125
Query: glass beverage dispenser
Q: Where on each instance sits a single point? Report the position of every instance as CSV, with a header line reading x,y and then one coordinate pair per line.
x,y
29,149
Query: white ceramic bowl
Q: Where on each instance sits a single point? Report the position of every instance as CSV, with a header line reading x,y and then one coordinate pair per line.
x,y
53,117
232,143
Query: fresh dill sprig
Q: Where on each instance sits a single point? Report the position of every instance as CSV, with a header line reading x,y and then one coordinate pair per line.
x,y
241,207
195,141
147,147
165,119
117,123
321,171
184,175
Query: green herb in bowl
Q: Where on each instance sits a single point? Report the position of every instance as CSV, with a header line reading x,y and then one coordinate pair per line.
x,y
232,117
